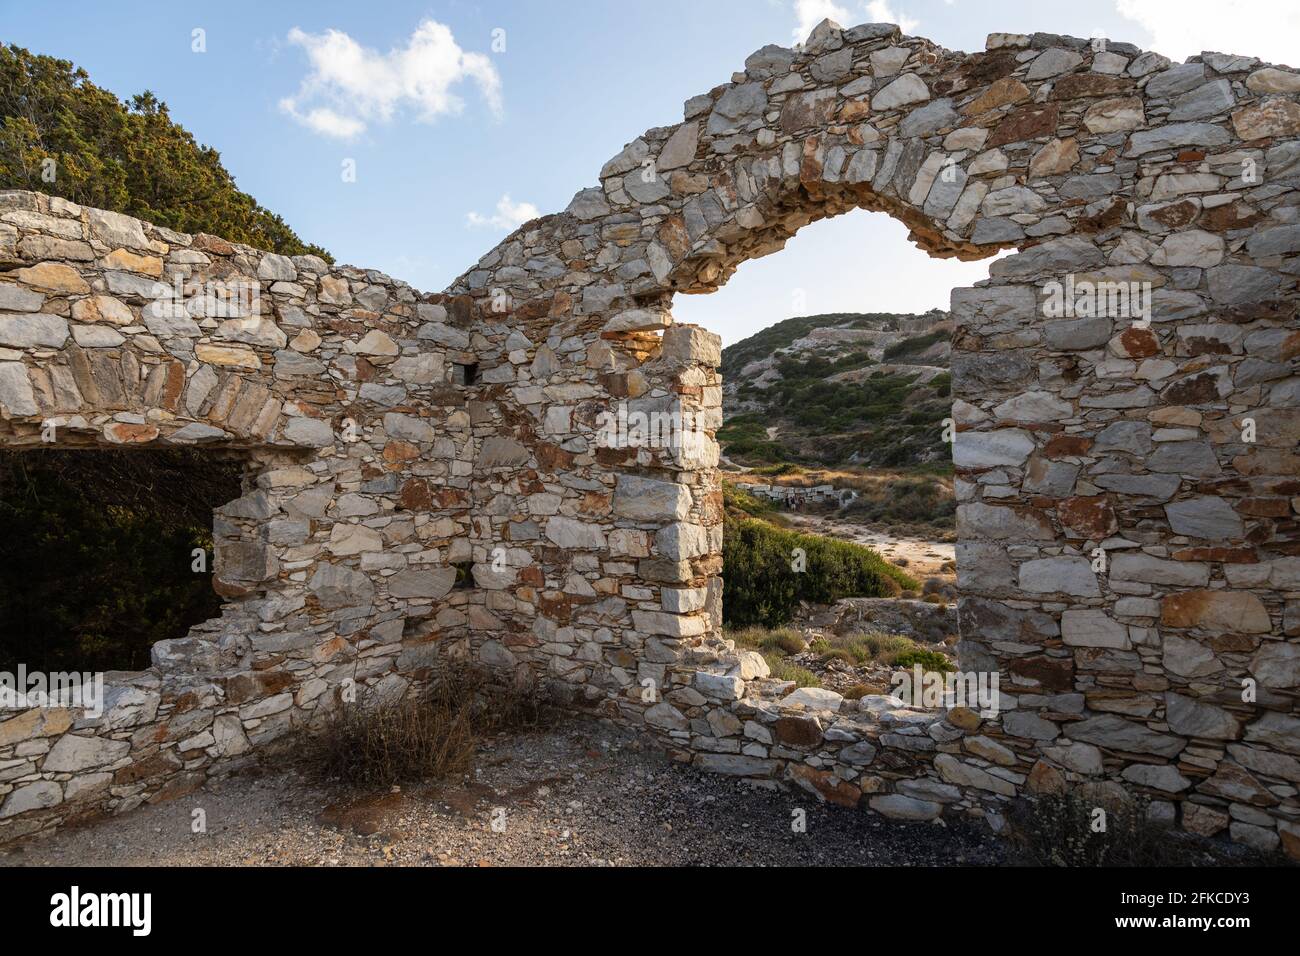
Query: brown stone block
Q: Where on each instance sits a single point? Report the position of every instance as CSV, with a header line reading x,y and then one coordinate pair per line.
x,y
1226,555
553,458
1225,611
396,452
1067,446
1078,85
1265,507
212,244
178,787
1049,673
1044,778
1026,123
798,731
1137,343
162,762
415,496
1091,517
827,785
1112,215
1007,91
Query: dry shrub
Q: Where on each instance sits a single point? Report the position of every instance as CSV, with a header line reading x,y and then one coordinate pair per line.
x,y
1057,830
427,736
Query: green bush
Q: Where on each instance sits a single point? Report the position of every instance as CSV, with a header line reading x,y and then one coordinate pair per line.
x,y
929,661
762,588
908,500
130,157
96,554
917,344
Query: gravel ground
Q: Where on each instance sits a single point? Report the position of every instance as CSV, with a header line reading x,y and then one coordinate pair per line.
x,y
578,794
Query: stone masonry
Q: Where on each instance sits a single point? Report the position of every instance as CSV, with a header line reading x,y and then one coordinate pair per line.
x,y
1129,555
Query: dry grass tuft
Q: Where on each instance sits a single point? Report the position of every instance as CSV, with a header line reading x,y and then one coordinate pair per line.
x,y
430,736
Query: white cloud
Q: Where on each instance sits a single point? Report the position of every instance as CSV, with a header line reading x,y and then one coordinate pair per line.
x,y
1183,28
509,216
813,12
880,12
349,85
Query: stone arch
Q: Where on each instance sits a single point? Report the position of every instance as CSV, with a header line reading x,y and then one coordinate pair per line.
x,y
1102,165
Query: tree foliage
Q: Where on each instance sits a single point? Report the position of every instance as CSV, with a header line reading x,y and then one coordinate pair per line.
x,y
763,587
129,157
96,554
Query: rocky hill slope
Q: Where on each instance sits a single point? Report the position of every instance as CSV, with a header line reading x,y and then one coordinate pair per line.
x,y
840,389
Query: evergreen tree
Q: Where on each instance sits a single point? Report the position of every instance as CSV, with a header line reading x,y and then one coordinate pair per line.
x,y
127,157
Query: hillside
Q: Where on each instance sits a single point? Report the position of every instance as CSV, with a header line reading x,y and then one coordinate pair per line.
x,y
62,135
868,390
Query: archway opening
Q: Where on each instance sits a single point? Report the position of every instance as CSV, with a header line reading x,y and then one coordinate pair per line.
x,y
105,552
837,432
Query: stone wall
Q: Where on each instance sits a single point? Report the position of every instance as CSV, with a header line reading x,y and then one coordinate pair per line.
x,y
1165,448
335,562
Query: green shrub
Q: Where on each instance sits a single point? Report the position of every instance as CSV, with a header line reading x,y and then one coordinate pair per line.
x,y
906,500
782,669
781,641
762,588
929,660
96,553
736,499
127,156
915,345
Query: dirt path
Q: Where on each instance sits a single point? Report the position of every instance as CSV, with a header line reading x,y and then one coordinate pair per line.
x,y
583,793
924,558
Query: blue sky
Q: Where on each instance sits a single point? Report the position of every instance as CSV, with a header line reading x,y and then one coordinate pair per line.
x,y
461,117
